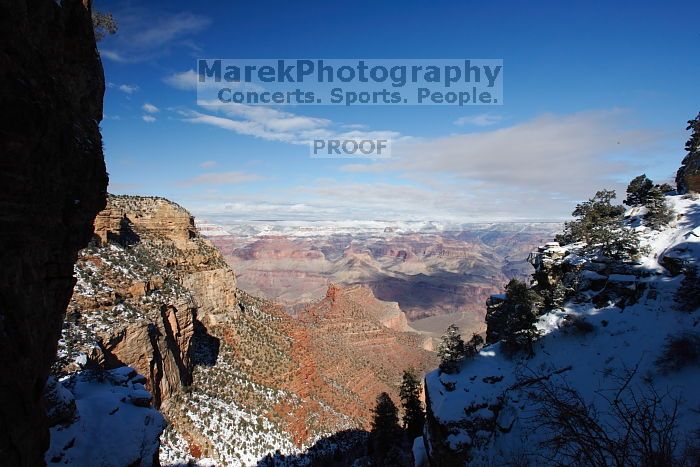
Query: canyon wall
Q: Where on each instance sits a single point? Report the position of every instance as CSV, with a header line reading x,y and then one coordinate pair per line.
x,y
141,290
52,183
152,294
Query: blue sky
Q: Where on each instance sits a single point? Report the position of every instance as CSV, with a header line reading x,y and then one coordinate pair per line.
x,y
595,93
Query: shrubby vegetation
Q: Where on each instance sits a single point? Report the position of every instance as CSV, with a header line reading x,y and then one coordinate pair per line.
x,y
601,225
576,324
680,351
637,428
513,321
103,24
642,192
688,294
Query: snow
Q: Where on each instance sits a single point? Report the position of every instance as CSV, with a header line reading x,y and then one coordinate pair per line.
x,y
419,455
246,228
209,229
107,429
592,275
622,278
622,340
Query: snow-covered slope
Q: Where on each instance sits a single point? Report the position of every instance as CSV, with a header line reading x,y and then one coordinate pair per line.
x,y
103,418
618,357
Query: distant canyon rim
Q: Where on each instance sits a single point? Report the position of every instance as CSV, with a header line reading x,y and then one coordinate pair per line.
x,y
438,273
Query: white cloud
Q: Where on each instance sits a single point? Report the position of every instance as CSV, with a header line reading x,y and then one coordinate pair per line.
x,y
128,88
185,80
221,178
535,169
208,164
148,118
146,33
150,108
571,154
276,125
538,169
112,55
485,119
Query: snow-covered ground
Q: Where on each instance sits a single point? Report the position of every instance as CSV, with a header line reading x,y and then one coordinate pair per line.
x,y
622,349
110,424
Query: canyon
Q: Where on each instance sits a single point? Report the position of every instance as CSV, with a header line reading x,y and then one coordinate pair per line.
x,y
437,273
233,374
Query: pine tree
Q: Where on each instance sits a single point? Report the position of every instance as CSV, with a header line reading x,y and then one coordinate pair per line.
x,y
554,296
521,317
638,191
472,347
659,212
601,225
691,162
413,415
451,349
513,321
386,433
593,216
619,242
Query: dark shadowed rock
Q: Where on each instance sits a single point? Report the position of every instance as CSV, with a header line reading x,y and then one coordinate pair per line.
x,y
52,183
688,176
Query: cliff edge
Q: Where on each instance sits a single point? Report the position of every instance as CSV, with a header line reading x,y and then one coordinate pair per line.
x,y
52,184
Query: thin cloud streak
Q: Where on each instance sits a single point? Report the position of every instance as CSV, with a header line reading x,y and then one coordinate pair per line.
x,y
221,178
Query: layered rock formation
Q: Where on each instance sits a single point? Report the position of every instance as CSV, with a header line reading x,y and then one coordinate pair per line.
x,y
157,216
427,273
285,382
154,295
52,183
141,289
352,326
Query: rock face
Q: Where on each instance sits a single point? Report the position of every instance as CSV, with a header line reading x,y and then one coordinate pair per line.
x,y
688,176
52,183
428,273
295,379
158,216
214,292
140,291
152,294
159,350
